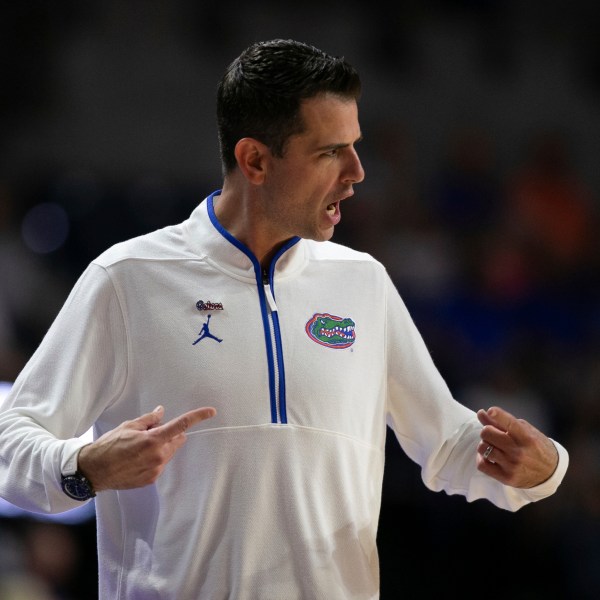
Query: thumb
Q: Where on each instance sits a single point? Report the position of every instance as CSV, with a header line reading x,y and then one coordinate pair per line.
x,y
149,420
497,417
484,417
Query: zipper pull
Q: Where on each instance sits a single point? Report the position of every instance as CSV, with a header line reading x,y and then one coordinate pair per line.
x,y
270,298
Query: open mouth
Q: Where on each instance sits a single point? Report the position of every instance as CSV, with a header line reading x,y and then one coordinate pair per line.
x,y
333,213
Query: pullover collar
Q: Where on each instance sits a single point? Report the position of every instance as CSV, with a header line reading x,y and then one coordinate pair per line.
x,y
210,240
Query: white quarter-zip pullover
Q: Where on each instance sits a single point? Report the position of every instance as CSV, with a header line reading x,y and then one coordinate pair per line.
x,y
278,496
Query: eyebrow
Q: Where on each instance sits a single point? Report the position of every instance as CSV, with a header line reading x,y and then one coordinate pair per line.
x,y
340,145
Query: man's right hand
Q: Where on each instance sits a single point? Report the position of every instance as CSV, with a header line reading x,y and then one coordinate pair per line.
x,y
135,453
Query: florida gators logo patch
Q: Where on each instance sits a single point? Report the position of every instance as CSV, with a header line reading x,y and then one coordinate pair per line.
x,y
331,331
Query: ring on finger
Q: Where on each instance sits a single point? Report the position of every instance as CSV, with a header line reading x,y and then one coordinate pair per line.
x,y
486,454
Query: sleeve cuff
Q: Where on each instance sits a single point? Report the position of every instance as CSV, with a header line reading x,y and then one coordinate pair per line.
x,y
68,465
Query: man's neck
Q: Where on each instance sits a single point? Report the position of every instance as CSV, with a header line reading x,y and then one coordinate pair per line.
x,y
239,213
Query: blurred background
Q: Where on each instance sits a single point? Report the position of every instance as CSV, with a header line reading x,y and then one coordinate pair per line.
x,y
481,123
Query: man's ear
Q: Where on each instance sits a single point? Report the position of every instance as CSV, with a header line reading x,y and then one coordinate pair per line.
x,y
251,156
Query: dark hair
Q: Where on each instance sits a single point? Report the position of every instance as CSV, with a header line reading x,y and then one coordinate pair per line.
x,y
261,92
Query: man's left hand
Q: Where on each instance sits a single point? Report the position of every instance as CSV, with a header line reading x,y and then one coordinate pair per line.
x,y
513,451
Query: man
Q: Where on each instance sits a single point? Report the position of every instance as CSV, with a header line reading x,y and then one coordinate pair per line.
x,y
309,355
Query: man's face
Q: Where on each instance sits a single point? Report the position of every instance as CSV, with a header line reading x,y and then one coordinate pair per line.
x,y
317,171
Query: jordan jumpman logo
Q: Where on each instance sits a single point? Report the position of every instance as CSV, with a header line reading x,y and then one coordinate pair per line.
x,y
204,333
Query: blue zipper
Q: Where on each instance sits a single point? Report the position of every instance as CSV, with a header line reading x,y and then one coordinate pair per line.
x,y
269,316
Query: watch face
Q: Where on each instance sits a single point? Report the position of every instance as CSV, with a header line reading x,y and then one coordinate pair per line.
x,y
77,487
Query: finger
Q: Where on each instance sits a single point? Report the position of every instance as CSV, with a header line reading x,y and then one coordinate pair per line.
x,y
493,433
489,452
497,417
518,430
179,425
492,460
484,418
493,469
149,420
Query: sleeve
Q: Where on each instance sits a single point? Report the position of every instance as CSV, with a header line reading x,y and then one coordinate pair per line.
x,y
437,432
78,370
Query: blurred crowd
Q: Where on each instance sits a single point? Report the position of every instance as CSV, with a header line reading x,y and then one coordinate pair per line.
x,y
496,259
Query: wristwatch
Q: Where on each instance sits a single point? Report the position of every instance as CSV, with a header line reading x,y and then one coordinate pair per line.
x,y
76,486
